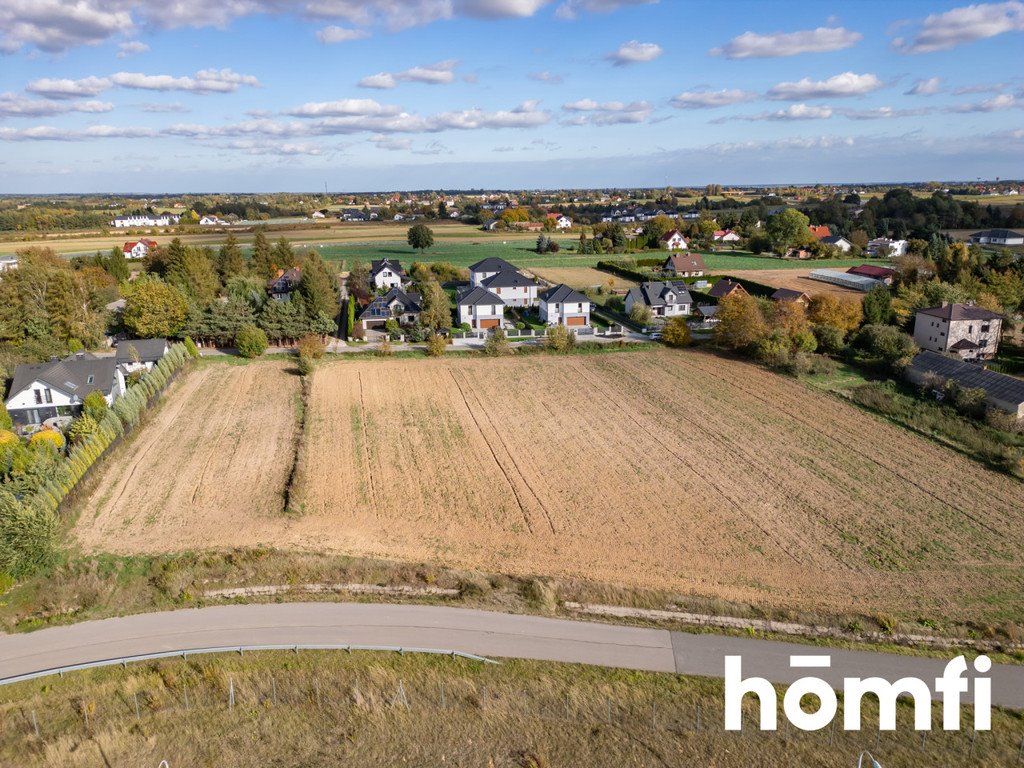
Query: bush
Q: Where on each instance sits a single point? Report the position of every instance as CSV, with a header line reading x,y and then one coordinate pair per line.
x,y
190,347
5,417
560,339
640,314
95,406
311,346
970,401
28,535
394,330
497,344
8,438
82,428
251,341
48,437
676,333
885,342
829,338
306,365
384,348
437,345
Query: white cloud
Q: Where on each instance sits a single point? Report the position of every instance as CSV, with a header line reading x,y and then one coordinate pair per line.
x,y
131,48
68,89
343,108
334,34
882,113
172,107
439,73
711,99
526,115
498,9
635,52
49,133
925,87
16,105
264,147
996,103
546,77
751,45
56,25
571,9
205,81
590,112
942,31
980,88
839,86
792,112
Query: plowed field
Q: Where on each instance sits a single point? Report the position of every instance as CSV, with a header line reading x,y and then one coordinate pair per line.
x,y
677,470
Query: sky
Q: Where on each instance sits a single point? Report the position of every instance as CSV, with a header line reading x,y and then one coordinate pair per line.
x,y
148,96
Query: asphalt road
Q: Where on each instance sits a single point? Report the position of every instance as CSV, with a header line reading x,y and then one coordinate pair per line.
x,y
484,633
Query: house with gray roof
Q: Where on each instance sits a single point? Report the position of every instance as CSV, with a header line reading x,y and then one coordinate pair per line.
x,y
140,354
480,308
387,273
54,392
395,304
1001,391
666,299
562,305
514,288
488,268
997,237
970,332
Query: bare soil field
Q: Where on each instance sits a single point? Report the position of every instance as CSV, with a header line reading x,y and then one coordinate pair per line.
x,y
675,470
582,277
223,439
795,279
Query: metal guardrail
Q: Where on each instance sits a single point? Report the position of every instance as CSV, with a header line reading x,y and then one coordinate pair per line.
x,y
123,661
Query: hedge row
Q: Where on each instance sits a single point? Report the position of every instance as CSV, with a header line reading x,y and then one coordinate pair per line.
x,y
28,526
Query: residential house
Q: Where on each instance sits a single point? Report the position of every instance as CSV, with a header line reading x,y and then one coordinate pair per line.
x,y
387,273
684,265
970,332
140,354
396,303
1001,391
884,247
706,313
997,237
212,221
838,242
818,231
726,288
487,268
514,288
480,308
53,392
562,305
286,281
875,272
799,253
145,220
788,294
8,262
560,220
666,299
674,240
725,236
138,249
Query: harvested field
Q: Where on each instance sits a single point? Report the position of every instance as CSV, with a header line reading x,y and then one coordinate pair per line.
x,y
219,448
795,279
583,277
675,470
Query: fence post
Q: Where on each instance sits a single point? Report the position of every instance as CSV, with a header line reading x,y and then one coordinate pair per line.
x,y
273,687
137,715
35,724
231,693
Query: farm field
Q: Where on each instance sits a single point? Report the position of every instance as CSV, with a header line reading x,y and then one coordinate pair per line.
x,y
221,440
675,470
725,262
795,279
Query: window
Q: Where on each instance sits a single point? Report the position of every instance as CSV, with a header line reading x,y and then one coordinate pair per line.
x,y
90,380
48,395
39,396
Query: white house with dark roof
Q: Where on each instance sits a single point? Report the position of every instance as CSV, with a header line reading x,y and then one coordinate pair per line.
x,y
488,268
387,273
140,354
970,332
997,237
562,305
838,242
666,299
684,265
395,304
480,308
145,220
674,241
56,390
514,288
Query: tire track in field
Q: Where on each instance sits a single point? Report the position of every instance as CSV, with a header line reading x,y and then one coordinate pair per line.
x,y
494,455
851,447
366,447
511,456
690,466
246,375
168,419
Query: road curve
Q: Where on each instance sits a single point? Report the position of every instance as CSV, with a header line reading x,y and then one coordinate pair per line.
x,y
483,633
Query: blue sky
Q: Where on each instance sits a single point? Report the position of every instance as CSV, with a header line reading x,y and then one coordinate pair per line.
x,y
263,95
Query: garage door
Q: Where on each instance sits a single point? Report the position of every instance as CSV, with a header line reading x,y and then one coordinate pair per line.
x,y
578,320
492,323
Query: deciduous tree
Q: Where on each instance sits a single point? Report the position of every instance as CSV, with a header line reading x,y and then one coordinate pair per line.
x,y
155,309
741,323
420,237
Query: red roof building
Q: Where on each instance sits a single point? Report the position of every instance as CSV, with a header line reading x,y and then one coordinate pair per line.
x,y
819,231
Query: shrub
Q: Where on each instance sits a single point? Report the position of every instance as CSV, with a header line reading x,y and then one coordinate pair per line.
x,y
8,438
994,417
48,437
466,327
436,345
311,346
251,341
394,330
970,401
829,338
82,428
5,417
497,344
774,350
95,405
384,348
306,365
190,347
640,314
560,339
28,535
677,333
885,342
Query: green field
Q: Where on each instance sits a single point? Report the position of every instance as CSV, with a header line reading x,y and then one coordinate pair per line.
x,y
743,260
